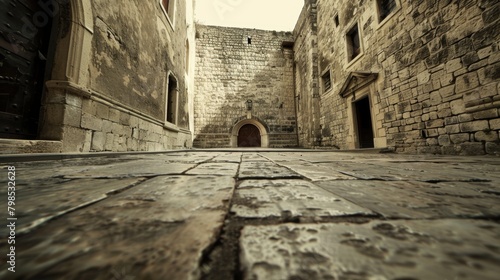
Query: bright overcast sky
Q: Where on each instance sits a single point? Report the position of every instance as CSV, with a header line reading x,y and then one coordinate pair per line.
x,y
279,15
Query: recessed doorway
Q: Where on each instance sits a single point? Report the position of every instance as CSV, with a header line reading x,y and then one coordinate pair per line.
x,y
249,136
24,53
364,123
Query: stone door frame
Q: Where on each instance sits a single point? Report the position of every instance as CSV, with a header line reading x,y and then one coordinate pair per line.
x,y
359,85
354,137
264,137
70,79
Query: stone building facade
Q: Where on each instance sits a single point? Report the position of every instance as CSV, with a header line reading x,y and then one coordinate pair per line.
x,y
416,76
306,77
108,77
237,68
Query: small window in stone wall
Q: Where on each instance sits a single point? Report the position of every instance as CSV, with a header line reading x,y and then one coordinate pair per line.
x,y
172,97
337,21
353,43
327,81
168,8
385,7
187,56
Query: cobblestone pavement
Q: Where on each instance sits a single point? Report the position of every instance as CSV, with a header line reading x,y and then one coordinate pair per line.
x,y
253,215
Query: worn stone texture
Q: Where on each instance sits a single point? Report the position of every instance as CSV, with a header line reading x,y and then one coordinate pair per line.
x,y
424,80
220,168
38,204
444,249
109,77
437,75
226,214
417,200
264,169
234,65
306,77
167,213
125,56
8,146
290,199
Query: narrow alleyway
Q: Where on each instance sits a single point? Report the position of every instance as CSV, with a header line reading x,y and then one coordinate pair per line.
x,y
270,214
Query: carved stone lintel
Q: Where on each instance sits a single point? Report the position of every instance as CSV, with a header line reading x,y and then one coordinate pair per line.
x,y
356,81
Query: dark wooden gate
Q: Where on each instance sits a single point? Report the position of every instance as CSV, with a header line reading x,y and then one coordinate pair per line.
x,y
24,41
249,136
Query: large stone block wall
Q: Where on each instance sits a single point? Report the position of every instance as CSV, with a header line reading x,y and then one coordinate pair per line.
x,y
230,71
306,76
133,50
115,97
97,125
438,66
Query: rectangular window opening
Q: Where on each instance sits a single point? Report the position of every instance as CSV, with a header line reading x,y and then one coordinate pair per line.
x,y
353,42
337,22
327,81
166,5
172,95
249,40
169,7
386,7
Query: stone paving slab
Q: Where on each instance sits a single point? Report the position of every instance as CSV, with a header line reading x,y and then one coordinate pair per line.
x,y
248,157
228,157
106,168
433,171
156,230
470,189
415,200
42,170
322,157
290,199
140,168
264,169
316,172
159,216
425,171
178,157
37,205
443,249
218,168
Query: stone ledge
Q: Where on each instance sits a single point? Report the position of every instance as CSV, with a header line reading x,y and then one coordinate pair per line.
x,y
14,146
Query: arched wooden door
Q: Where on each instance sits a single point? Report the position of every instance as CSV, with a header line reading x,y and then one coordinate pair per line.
x,y
249,136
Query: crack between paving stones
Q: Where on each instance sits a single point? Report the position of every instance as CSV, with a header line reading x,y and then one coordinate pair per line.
x,y
227,248
43,221
293,177
497,193
493,218
271,179
197,165
216,259
216,263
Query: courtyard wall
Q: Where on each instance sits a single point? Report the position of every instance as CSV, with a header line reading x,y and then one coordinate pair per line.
x,y
430,70
233,66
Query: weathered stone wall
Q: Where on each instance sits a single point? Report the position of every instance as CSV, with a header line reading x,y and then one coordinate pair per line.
x,y
230,71
306,76
438,66
117,100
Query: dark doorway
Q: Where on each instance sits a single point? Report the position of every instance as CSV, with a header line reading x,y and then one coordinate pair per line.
x,y
249,136
364,121
24,47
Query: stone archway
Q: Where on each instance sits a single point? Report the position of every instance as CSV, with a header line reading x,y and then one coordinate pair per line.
x,y
252,128
69,78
